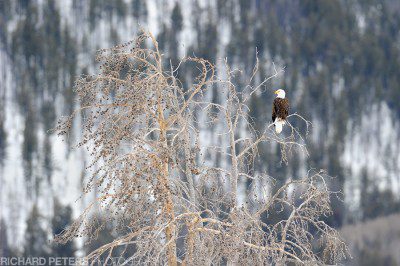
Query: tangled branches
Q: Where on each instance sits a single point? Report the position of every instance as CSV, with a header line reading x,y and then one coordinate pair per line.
x,y
141,127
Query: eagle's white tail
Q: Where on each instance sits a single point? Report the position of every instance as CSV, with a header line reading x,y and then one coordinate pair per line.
x,y
279,125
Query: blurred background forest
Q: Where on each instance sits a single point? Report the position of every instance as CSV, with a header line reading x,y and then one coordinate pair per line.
x,y
342,72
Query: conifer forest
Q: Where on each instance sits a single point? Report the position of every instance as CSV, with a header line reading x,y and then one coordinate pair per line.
x,y
139,132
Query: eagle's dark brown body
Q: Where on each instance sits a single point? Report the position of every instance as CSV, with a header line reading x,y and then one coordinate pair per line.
x,y
280,109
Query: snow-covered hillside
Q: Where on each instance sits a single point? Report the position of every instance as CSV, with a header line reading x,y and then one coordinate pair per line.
x,y
54,169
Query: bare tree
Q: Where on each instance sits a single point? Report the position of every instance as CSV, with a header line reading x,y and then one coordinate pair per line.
x,y
169,203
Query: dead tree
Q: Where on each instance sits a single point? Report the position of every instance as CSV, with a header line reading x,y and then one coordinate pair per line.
x,y
141,128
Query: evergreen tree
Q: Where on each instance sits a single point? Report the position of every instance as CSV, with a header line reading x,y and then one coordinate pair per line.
x,y
139,9
176,27
4,249
36,239
103,236
3,137
30,142
70,62
61,219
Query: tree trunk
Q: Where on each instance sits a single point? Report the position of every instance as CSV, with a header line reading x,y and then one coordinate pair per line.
x,y
169,205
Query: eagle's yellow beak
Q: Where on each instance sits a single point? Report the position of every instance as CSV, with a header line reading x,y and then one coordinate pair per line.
x,y
276,92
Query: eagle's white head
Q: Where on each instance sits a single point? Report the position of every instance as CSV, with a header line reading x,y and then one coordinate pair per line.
x,y
280,93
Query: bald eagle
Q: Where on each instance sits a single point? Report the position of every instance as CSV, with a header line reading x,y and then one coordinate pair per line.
x,y
280,110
